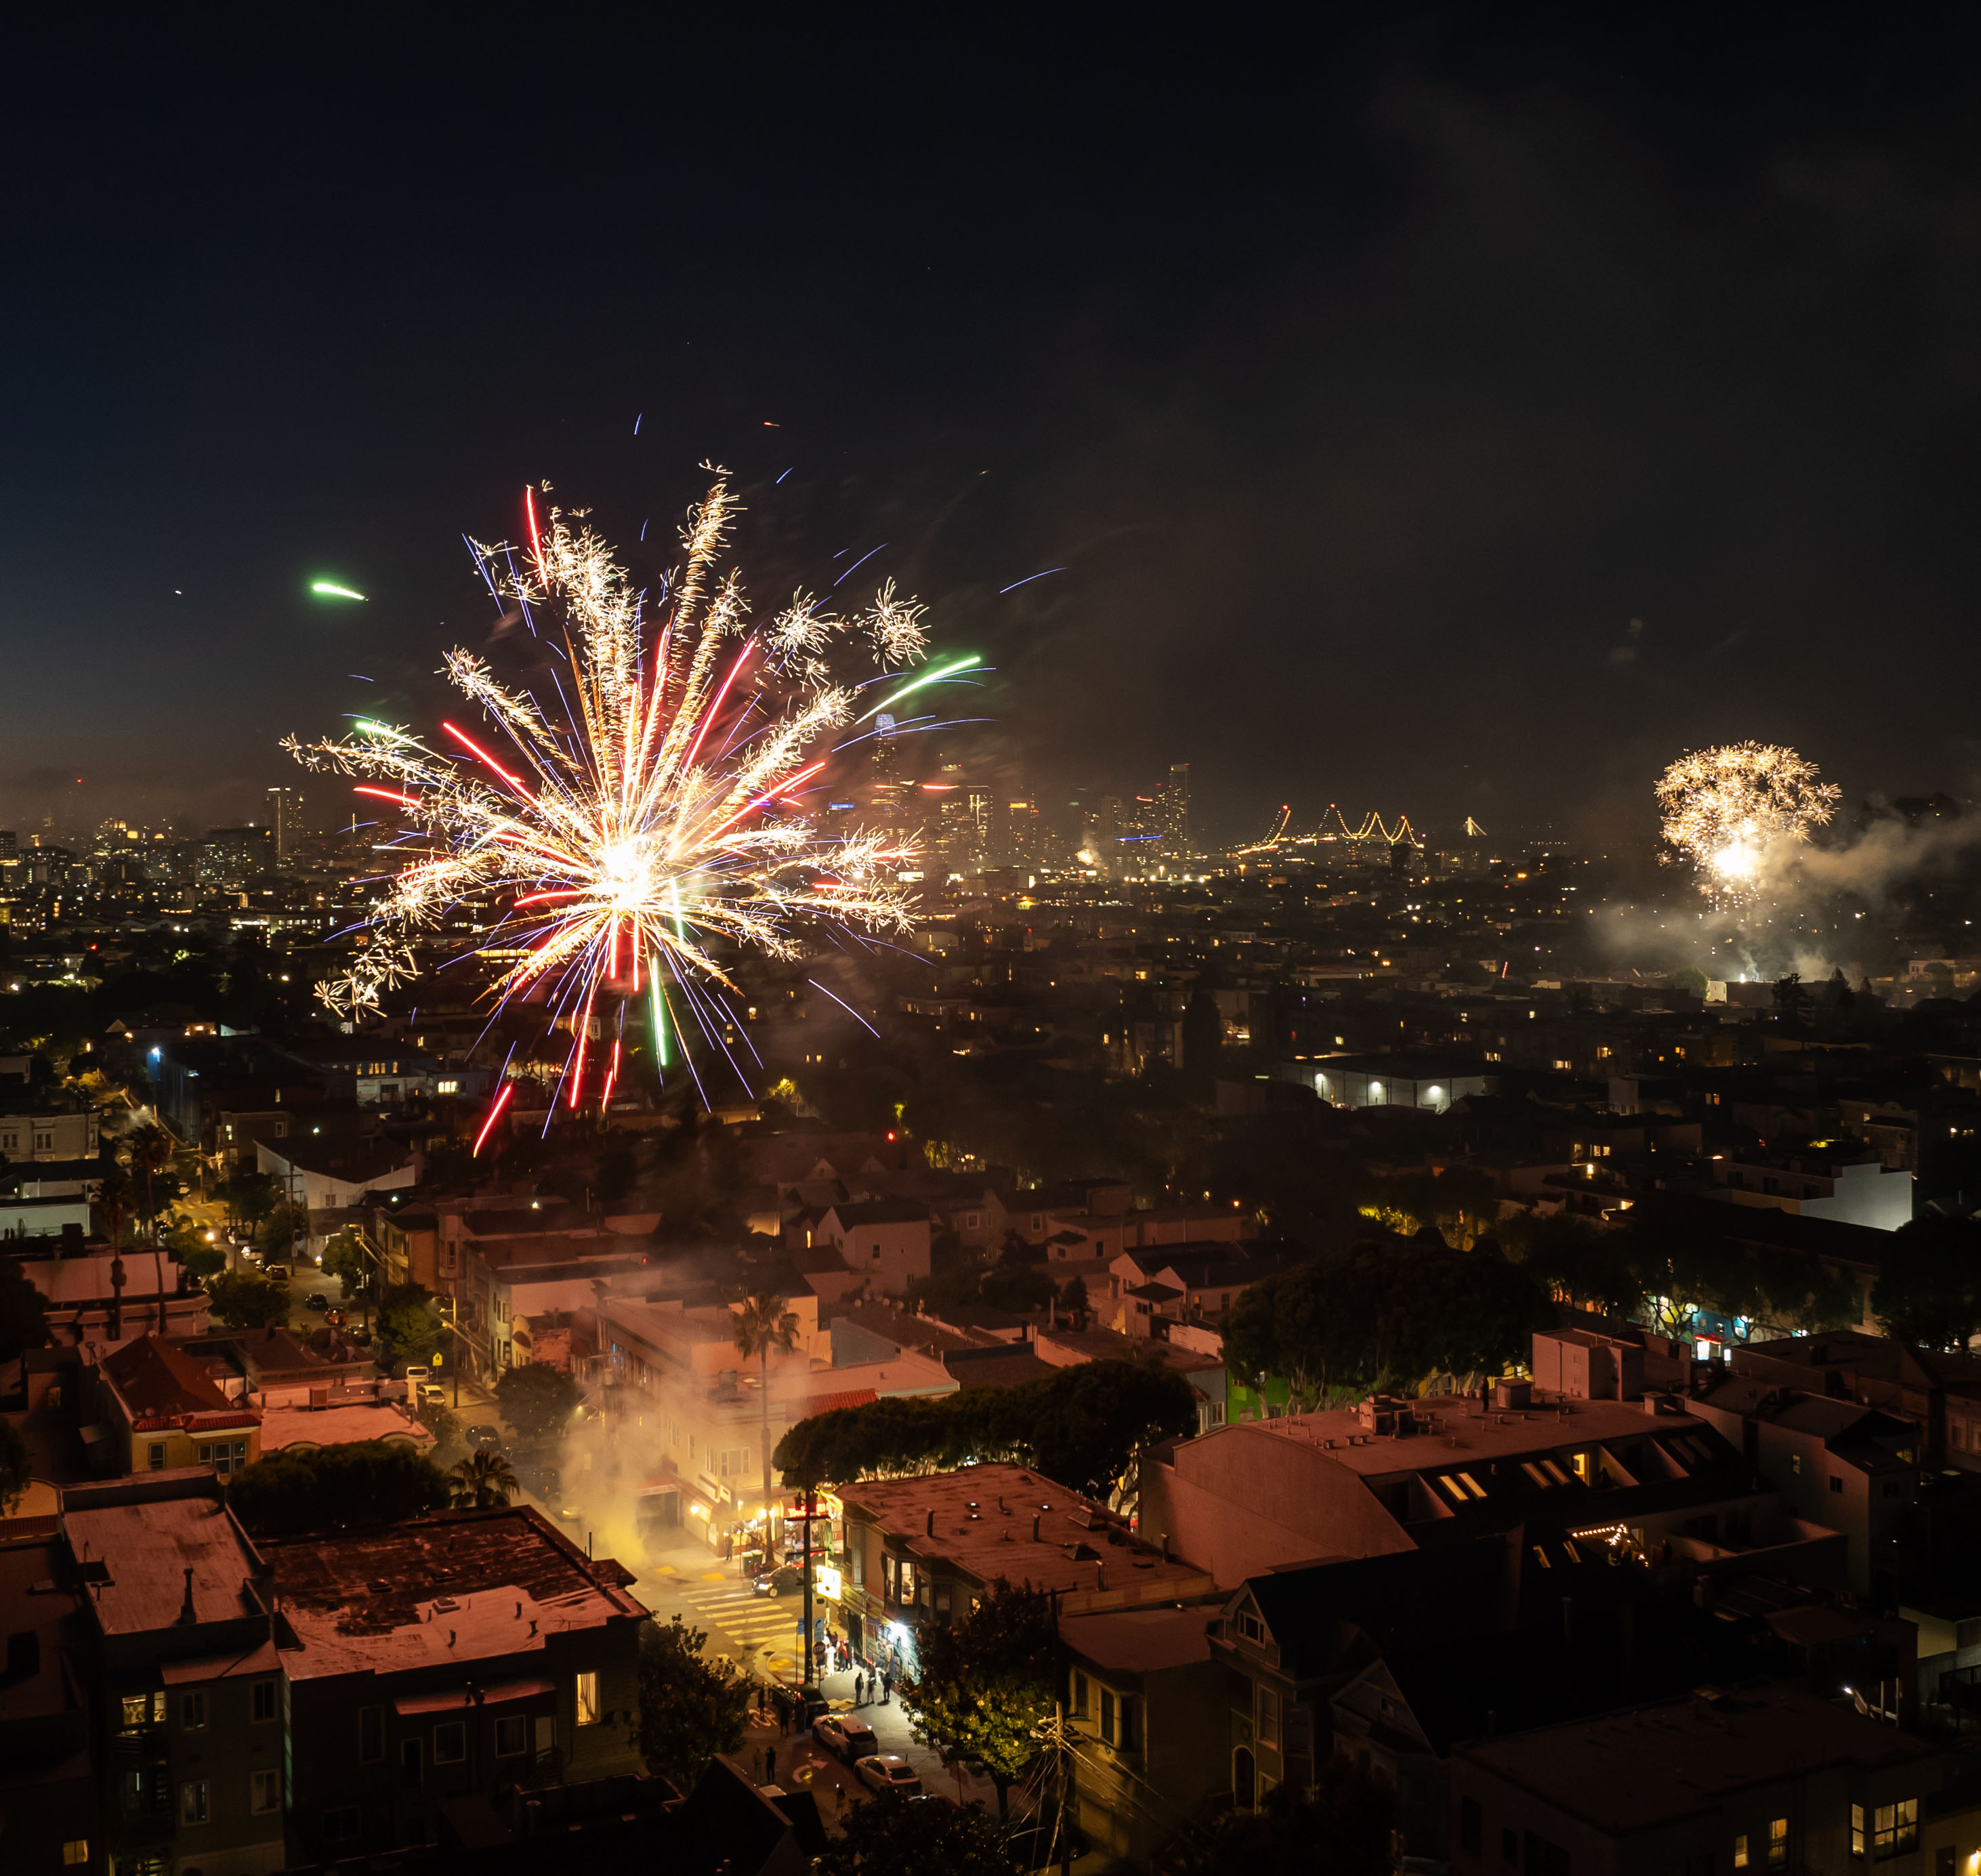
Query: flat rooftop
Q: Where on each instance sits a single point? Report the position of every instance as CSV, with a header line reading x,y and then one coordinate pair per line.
x,y
982,1524
1654,1765
1491,1433
143,1534
1142,1641
459,1586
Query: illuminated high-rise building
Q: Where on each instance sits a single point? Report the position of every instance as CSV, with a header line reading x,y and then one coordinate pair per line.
x,y
1172,816
888,808
285,821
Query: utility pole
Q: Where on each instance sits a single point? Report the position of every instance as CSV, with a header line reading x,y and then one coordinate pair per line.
x,y
1065,1758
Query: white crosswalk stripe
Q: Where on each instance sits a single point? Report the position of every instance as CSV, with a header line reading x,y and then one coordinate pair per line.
x,y
770,1623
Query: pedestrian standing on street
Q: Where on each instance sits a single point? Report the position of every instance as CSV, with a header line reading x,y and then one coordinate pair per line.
x,y
860,1690
841,1790
886,1686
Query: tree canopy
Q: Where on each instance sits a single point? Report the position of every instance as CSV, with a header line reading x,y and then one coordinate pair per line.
x,y
363,1482
24,1321
240,1302
1385,1314
985,1684
1082,1426
690,1709
537,1399
1928,1291
408,1330
892,1835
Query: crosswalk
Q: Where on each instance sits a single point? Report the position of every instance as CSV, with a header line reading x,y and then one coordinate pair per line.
x,y
738,1620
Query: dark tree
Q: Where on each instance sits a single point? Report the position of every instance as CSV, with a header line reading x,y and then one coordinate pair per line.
x,y
690,1709
408,1330
1928,1291
364,1482
537,1399
241,1301
1343,1830
1084,1426
24,1321
893,1836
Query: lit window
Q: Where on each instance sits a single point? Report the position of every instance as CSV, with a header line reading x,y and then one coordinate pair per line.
x,y
1894,1829
587,1699
76,1850
1740,1845
1778,1844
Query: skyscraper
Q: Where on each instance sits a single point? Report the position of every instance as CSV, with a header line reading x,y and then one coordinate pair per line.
x,y
285,818
1172,812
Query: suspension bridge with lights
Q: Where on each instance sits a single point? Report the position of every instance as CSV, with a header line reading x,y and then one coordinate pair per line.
x,y
1335,826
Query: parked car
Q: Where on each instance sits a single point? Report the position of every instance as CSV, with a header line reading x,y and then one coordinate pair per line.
x,y
484,1436
317,1301
784,1580
278,1274
888,1771
842,1733
359,1333
334,1317
432,1394
544,1480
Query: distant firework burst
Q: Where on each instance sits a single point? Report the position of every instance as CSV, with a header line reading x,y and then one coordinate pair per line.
x,y
614,848
1725,808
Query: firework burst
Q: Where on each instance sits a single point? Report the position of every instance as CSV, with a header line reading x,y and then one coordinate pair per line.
x,y
1725,808
621,848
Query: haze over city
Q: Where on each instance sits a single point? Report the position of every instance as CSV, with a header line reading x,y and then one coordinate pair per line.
x,y
1019,942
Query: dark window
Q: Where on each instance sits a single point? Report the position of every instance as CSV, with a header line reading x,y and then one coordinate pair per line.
x,y
340,1825
450,1742
1509,1847
1107,1715
1545,1858
1892,1489
264,1701
1471,1826
512,1735
1836,1482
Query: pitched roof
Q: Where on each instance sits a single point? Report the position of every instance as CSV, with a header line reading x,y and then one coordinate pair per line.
x,y
157,1380
884,1211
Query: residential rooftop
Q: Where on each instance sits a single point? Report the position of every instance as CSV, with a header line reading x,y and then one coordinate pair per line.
x,y
1653,1765
981,1520
459,1586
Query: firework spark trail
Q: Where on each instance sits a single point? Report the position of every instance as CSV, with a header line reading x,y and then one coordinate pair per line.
x,y
1725,808
643,833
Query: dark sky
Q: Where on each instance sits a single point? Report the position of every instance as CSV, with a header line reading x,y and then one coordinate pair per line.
x,y
1369,381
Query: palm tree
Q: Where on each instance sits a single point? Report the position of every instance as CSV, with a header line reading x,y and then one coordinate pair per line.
x,y
483,1479
149,1149
762,1323
113,1200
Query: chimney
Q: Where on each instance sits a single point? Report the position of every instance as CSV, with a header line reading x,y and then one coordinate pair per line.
x,y
1165,1547
931,1522
187,1618
1101,1574
1035,1527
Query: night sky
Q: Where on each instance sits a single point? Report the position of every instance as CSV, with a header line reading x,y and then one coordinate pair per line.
x,y
1368,383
